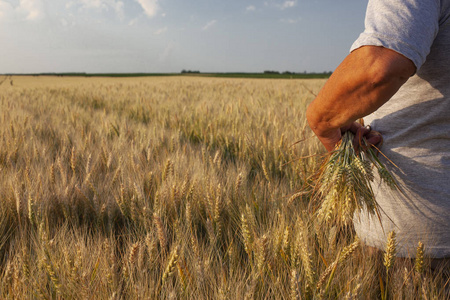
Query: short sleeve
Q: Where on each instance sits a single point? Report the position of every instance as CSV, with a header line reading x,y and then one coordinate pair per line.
x,y
408,27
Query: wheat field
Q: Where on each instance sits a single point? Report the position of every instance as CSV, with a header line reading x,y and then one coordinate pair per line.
x,y
174,188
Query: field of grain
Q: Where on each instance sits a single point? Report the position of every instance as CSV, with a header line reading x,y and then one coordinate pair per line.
x,y
173,188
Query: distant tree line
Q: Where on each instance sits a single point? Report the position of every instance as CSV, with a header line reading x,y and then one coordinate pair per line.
x,y
189,71
294,73
268,72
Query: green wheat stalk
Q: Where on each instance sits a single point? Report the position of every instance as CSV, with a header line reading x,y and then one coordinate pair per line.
x,y
344,179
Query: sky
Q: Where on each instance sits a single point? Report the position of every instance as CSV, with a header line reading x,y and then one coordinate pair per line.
x,y
167,36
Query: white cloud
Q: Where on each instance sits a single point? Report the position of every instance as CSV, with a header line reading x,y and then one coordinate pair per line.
x,y
133,22
30,10
291,21
117,6
150,7
70,4
281,4
288,4
92,3
160,31
6,10
209,25
33,9
250,8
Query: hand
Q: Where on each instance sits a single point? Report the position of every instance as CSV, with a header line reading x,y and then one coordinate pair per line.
x,y
372,137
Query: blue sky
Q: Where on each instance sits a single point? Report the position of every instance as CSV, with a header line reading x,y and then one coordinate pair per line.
x,y
171,35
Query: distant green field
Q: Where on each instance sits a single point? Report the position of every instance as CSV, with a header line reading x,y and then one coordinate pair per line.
x,y
270,75
221,75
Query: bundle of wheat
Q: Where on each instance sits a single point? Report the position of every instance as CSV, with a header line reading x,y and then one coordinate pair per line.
x,y
343,182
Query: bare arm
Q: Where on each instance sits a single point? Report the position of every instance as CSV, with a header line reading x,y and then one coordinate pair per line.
x,y
366,79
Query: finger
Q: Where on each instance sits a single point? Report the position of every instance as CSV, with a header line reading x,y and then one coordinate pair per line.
x,y
353,127
374,138
345,128
360,133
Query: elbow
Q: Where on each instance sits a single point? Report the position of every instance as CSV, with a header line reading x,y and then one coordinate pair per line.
x,y
390,68
380,77
318,121
311,117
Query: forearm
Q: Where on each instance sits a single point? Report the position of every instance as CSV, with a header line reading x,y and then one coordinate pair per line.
x,y
365,80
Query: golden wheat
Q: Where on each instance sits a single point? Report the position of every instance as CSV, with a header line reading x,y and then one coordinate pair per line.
x,y
343,184
151,188
419,261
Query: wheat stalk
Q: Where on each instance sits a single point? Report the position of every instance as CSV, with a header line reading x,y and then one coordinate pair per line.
x,y
31,208
262,254
161,231
238,184
306,258
73,160
168,272
246,234
265,171
134,249
52,274
418,264
389,257
52,174
344,182
331,269
285,244
294,285
168,170
390,251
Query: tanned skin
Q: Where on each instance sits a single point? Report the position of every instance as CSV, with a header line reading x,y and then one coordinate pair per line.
x,y
366,79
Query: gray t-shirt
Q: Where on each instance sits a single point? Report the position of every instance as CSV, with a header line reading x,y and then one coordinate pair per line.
x,y
415,124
